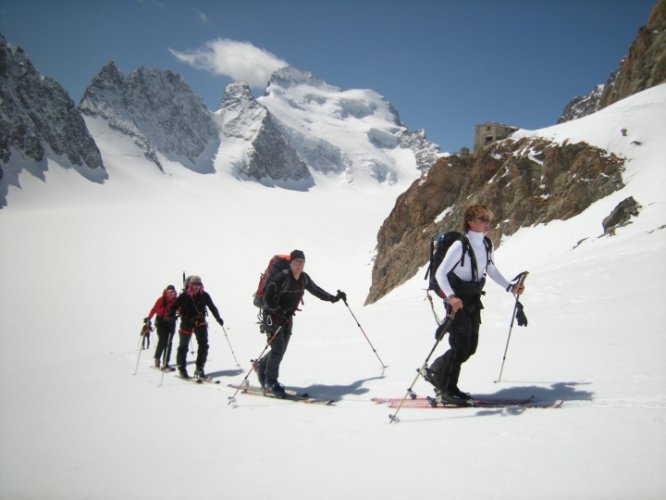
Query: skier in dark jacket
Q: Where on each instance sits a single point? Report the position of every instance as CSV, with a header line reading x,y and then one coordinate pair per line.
x,y
192,304
283,294
165,325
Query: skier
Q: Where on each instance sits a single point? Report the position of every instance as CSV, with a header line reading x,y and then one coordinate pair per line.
x,y
192,304
462,280
165,326
283,294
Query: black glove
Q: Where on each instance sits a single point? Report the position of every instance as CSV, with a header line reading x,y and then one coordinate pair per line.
x,y
341,295
520,315
220,321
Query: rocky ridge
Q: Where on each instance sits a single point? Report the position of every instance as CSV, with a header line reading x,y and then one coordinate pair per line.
x,y
643,67
159,111
526,182
36,116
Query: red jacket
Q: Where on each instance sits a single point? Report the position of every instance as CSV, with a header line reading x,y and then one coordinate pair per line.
x,y
162,306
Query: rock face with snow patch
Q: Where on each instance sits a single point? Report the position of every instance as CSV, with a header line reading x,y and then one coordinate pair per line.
x,y
256,141
527,182
37,115
582,105
159,111
356,132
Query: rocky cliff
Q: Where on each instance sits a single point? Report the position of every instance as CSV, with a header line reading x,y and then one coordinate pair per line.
x,y
643,67
526,182
38,116
159,111
266,154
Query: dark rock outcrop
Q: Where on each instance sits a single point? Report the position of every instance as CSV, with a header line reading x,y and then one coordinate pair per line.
x,y
621,215
526,182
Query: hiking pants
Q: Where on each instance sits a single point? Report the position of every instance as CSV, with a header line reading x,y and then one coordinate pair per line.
x,y
184,336
463,340
165,331
270,363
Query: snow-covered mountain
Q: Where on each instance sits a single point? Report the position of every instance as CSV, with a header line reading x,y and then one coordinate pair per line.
x,y
158,111
38,121
301,132
254,144
355,133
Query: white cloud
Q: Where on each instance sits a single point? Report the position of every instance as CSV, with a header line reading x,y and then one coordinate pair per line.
x,y
236,60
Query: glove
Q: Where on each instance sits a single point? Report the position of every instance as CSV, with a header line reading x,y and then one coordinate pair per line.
x,y
520,315
220,321
340,295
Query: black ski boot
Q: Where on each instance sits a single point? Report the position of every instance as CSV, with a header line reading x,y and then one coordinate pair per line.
x,y
278,390
182,372
451,399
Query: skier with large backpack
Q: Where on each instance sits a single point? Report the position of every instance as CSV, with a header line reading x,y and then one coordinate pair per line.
x,y
459,275
279,296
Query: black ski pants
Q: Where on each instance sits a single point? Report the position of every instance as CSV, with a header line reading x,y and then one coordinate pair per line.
x,y
463,341
200,331
165,332
269,365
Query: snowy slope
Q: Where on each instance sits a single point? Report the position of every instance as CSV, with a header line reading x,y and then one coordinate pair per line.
x,y
82,264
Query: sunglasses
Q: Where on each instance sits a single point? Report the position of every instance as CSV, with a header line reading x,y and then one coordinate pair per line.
x,y
483,218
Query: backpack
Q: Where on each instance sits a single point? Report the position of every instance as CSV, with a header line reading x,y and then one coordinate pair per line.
x,y
277,264
439,245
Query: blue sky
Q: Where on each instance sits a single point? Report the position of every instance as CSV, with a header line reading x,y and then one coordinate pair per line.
x,y
446,65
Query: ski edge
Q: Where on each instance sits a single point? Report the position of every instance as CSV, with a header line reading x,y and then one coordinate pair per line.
x,y
289,396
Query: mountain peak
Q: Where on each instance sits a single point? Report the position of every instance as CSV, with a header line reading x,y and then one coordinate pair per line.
x,y
289,75
39,119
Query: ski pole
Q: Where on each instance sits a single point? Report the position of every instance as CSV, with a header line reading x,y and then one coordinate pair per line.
x,y
364,334
521,279
441,330
140,346
232,399
432,306
230,348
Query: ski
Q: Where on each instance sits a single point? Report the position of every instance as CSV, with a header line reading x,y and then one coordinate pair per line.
x,y
289,395
198,380
433,403
168,369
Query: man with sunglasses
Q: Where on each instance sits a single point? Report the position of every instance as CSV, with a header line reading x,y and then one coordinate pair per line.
x,y
461,276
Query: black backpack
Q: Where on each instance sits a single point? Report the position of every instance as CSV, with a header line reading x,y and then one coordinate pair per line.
x,y
439,245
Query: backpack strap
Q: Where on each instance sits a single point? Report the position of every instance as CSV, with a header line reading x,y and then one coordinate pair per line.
x,y
429,270
489,249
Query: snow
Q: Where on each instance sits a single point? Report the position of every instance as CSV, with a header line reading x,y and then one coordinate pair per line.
x,y
82,264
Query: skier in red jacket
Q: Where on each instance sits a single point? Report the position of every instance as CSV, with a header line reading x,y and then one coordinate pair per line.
x,y
165,325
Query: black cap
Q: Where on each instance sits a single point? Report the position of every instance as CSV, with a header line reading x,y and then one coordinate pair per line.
x,y
297,254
